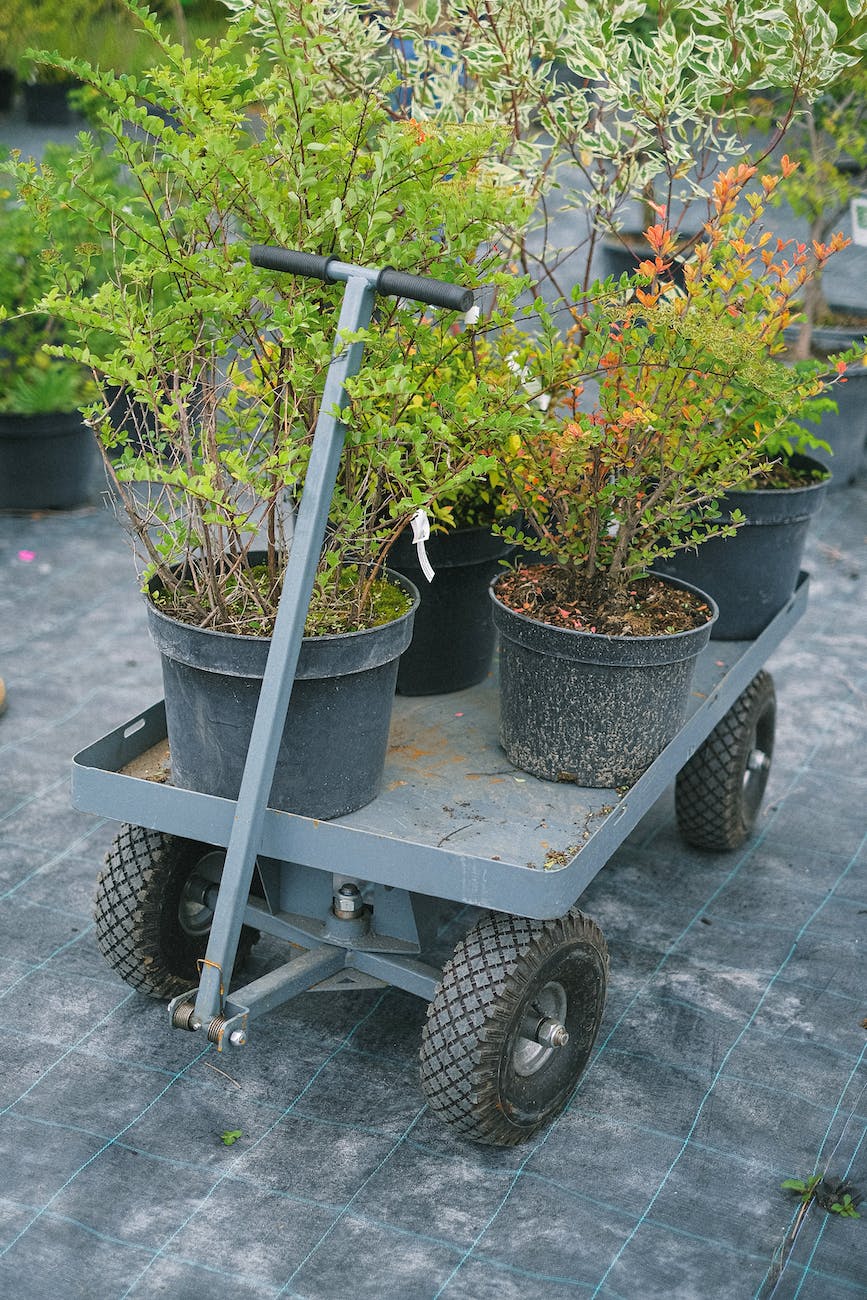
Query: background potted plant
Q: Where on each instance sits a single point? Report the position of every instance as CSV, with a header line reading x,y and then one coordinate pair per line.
x,y
757,280
829,142
231,365
596,659
47,453
602,106
483,379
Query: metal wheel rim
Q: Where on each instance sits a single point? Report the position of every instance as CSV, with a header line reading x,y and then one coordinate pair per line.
x,y
756,769
551,1003
194,914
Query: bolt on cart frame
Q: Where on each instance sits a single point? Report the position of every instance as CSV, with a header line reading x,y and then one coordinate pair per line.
x,y
514,1014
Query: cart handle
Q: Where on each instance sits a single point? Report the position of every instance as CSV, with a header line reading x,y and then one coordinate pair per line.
x,y
391,283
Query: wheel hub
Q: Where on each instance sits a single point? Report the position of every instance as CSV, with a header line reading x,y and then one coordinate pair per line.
x,y
543,1030
194,912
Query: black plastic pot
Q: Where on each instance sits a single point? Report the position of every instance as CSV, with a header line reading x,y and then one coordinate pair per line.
x,y
845,430
47,462
46,103
753,574
594,710
453,637
332,752
8,83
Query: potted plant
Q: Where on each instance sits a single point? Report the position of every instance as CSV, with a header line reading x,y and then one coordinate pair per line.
x,y
603,106
482,377
829,142
231,364
596,651
752,573
47,453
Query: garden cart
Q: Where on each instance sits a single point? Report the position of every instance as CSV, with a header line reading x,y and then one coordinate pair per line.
x,y
192,877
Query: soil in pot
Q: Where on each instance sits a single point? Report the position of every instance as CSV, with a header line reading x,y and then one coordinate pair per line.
x,y
752,575
47,462
453,636
332,752
594,707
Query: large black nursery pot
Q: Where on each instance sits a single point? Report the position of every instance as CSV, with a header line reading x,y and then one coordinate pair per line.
x,y
591,709
453,636
46,103
47,462
845,430
332,752
752,575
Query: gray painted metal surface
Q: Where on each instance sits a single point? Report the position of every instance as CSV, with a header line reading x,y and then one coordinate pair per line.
x,y
454,820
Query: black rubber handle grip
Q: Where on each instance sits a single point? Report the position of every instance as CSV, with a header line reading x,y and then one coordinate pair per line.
x,y
391,283
436,293
288,259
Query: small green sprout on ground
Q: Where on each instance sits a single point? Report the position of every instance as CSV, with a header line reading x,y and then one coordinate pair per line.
x,y
832,1194
231,1136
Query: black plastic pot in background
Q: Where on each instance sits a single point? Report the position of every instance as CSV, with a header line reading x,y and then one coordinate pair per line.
x,y
46,103
8,83
453,638
47,462
332,752
594,710
845,430
753,574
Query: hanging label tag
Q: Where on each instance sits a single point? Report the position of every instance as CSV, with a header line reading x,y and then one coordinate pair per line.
x,y
531,385
472,316
420,534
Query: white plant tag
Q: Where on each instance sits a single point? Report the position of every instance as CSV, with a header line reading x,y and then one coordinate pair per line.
x,y
420,534
858,208
472,316
530,383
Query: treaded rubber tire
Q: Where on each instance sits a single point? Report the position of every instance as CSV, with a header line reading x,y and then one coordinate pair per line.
x,y
470,1039
717,798
138,929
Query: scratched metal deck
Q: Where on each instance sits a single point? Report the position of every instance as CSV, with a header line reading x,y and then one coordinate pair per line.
x,y
454,819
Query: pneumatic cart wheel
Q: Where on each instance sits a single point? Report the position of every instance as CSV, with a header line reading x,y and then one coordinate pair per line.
x,y
152,917
719,791
511,1027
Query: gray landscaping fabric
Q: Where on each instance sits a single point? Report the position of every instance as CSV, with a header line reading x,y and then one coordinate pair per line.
x,y
731,1056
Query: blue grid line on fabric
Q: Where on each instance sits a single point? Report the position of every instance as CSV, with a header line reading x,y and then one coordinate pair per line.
x,y
64,947
824,1224
708,1013
231,1168
645,985
33,798
624,1245
72,1048
57,911
360,1188
73,617
55,1217
56,722
698,1072
824,989
87,1163
795,1212
58,857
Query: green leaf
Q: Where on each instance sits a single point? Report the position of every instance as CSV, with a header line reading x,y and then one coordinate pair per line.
x,y
231,1136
